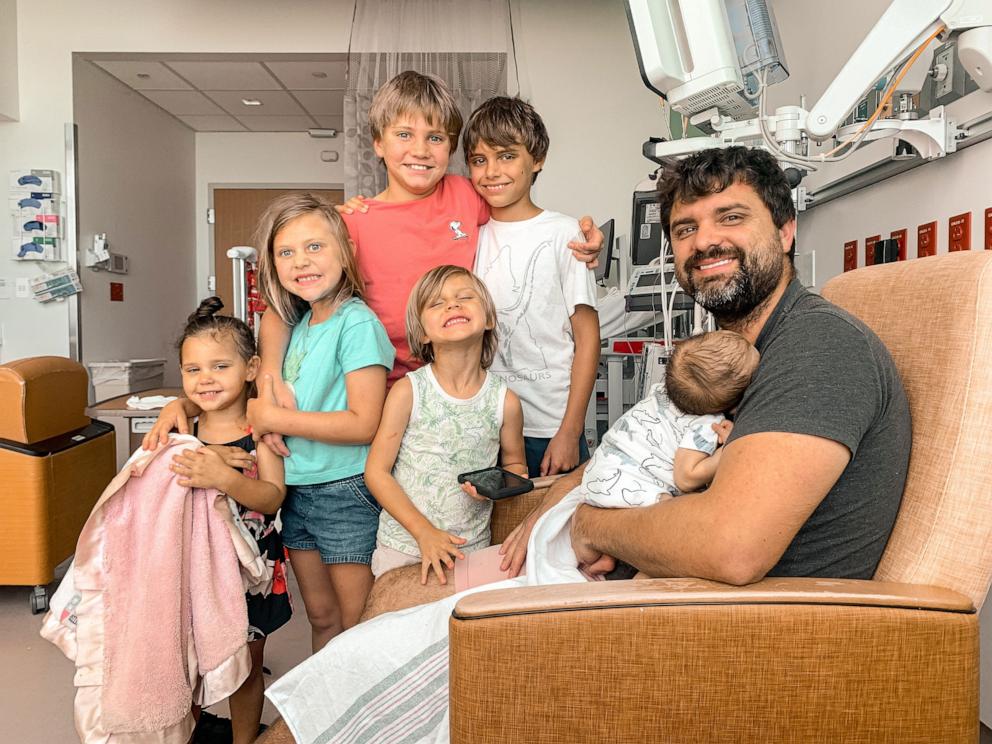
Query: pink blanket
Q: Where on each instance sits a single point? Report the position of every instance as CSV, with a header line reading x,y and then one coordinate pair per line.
x,y
153,611
170,570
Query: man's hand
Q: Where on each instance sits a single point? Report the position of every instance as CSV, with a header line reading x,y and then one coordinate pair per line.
x,y
200,468
588,251
591,560
354,204
172,416
233,457
561,455
514,547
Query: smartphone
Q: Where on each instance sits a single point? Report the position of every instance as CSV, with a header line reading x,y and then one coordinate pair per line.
x,y
496,483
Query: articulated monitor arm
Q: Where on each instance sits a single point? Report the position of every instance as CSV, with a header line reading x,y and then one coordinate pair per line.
x,y
904,27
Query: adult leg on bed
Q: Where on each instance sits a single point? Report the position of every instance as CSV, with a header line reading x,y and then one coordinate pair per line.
x,y
401,588
277,733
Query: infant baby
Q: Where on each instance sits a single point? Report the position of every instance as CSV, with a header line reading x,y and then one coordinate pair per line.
x,y
667,444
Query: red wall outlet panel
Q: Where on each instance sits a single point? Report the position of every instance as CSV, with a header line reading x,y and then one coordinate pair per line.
x,y
116,292
870,249
850,255
926,240
988,229
959,232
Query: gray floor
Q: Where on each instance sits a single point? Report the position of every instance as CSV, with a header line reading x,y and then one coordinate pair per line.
x,y
36,691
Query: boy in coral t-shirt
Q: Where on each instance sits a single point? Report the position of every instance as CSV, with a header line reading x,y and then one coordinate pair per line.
x,y
422,220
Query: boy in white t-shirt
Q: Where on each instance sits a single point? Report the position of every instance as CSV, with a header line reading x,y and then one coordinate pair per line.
x,y
545,300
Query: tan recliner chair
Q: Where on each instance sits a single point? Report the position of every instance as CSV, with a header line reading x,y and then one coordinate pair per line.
x,y
784,660
54,464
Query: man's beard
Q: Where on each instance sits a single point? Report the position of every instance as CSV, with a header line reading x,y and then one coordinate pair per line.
x,y
734,298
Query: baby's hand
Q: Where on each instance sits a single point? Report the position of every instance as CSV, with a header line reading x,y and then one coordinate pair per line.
x,y
437,549
354,204
233,457
470,490
723,430
200,468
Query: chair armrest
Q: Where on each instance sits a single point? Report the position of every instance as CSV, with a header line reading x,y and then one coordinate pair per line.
x,y
508,513
688,660
612,594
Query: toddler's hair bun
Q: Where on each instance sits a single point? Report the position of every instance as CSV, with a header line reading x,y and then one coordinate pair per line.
x,y
207,309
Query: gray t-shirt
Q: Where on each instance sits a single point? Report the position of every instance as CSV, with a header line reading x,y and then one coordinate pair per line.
x,y
824,373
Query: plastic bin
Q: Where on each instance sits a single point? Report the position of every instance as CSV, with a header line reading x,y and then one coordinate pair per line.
x,y
111,379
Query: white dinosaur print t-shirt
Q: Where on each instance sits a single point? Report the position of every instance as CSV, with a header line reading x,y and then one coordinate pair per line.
x,y
635,462
536,284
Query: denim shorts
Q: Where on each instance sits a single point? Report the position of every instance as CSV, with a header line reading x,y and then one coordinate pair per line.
x,y
338,519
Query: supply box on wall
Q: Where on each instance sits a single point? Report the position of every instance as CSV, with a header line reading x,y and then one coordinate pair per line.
x,y
35,207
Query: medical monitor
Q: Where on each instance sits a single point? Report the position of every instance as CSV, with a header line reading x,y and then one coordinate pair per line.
x,y
706,54
602,271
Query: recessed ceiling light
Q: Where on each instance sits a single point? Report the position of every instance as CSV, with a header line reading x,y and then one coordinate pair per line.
x,y
319,75
251,102
144,75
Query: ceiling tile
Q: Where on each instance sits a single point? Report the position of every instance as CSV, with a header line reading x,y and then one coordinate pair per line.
x,y
310,75
320,102
277,123
274,102
212,123
331,122
226,75
183,102
142,75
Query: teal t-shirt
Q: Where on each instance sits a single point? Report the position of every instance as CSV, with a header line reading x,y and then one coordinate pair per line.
x,y
318,358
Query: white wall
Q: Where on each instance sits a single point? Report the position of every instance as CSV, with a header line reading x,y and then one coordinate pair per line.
x,y
136,184
8,60
256,159
37,139
578,69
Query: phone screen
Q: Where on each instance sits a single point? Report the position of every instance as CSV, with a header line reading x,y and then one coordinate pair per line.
x,y
495,480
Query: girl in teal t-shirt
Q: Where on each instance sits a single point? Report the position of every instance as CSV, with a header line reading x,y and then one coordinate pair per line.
x,y
337,361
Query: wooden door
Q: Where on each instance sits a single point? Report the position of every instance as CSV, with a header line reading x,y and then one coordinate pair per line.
x,y
236,213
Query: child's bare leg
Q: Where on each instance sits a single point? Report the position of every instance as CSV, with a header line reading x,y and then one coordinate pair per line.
x,y
319,597
352,584
246,702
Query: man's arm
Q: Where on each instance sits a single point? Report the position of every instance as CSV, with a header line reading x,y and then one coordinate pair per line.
x,y
766,488
514,547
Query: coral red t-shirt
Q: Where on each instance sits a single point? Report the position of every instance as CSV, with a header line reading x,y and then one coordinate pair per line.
x,y
396,243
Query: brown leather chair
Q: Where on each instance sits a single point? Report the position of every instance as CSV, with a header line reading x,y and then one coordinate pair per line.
x,y
54,463
784,660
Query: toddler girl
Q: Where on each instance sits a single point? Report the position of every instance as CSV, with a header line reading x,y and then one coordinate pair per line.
x,y
218,362
449,417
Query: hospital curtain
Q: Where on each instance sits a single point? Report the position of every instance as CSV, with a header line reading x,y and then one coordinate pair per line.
x,y
464,42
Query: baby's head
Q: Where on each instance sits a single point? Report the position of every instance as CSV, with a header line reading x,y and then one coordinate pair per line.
x,y
504,123
707,374
304,256
415,125
450,304
216,356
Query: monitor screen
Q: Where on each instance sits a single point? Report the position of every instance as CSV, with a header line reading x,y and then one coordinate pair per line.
x,y
606,256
